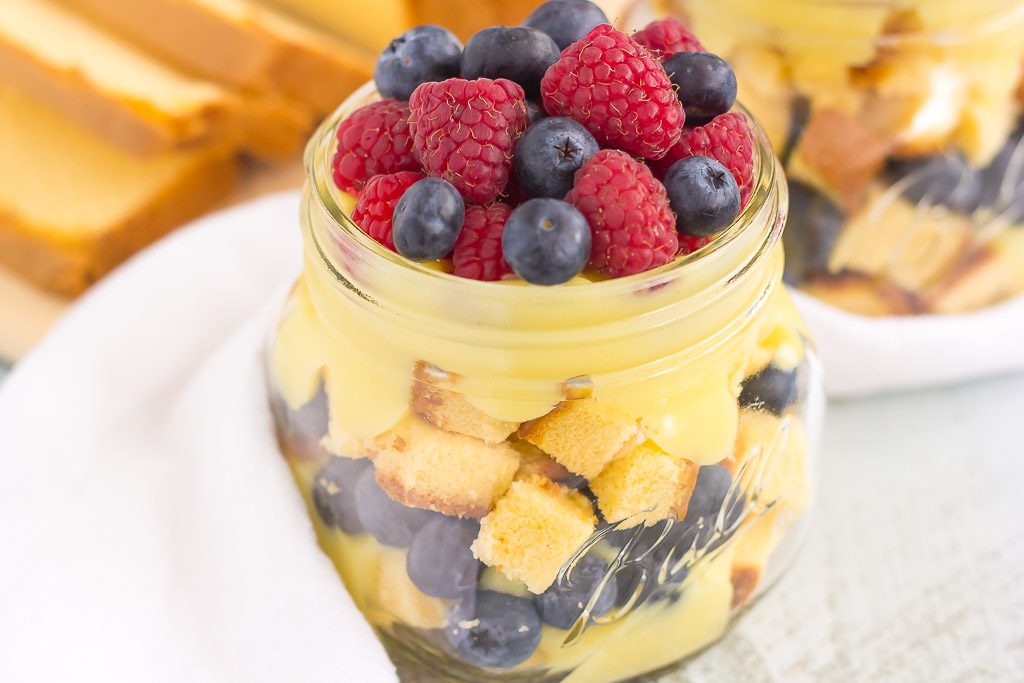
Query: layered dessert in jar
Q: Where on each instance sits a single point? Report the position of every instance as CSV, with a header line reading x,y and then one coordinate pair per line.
x,y
547,399
899,127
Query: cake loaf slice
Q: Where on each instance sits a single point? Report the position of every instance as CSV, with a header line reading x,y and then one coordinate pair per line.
x,y
72,206
240,43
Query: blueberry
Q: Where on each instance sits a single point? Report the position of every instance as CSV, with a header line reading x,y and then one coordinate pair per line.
x,y
548,155
310,420
706,501
561,604
428,219
812,229
535,111
705,85
440,562
703,194
546,241
566,21
518,53
649,569
503,631
938,180
1002,181
334,493
389,521
648,556
798,118
772,389
420,55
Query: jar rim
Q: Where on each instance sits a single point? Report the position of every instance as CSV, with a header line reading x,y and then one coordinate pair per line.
x,y
317,161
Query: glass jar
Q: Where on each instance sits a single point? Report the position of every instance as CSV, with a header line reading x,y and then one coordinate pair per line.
x,y
519,482
898,124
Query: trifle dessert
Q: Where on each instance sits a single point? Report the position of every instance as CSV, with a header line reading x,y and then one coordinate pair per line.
x,y
548,401
899,126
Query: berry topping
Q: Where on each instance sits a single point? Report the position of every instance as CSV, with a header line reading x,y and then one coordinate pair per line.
x,y
628,211
465,131
613,86
562,603
566,21
689,244
334,493
389,521
502,630
377,203
812,230
666,37
440,562
420,55
549,154
773,389
728,140
546,241
706,85
703,194
477,254
518,53
373,140
535,112
427,220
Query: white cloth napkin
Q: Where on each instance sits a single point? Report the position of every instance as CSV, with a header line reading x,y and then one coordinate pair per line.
x,y
149,529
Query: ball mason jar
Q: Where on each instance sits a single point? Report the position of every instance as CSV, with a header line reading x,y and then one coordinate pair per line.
x,y
898,125
531,483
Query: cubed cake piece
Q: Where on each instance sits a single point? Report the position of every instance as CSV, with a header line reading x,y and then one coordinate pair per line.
x,y
645,486
425,467
583,435
450,411
535,528
782,444
533,461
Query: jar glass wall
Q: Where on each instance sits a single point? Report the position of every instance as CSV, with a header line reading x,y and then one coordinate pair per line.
x,y
521,482
898,124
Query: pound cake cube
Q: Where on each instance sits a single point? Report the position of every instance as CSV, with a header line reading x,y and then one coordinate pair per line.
x,y
450,411
645,486
422,466
534,529
111,204
583,435
533,462
784,443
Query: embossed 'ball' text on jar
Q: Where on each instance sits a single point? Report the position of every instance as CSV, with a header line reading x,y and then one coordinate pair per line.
x,y
523,483
899,125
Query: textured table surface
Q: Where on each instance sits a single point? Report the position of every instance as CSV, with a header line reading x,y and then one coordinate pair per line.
x,y
914,569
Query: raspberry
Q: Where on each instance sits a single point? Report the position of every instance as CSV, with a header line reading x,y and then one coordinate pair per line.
x,y
728,140
667,37
632,225
372,140
465,131
615,88
377,203
690,243
477,254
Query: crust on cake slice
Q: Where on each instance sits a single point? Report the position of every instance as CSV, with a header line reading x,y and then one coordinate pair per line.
x,y
450,411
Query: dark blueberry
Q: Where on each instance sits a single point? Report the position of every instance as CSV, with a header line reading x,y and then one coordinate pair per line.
x,y
703,194
1002,181
812,229
566,21
798,118
773,389
535,111
707,500
420,55
389,521
658,574
334,493
652,557
503,631
938,180
440,562
310,420
549,153
428,219
705,85
561,604
546,241
518,53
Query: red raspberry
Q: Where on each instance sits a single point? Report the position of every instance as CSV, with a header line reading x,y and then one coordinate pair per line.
x,y
377,203
465,131
372,140
477,253
667,37
615,88
728,140
690,243
632,225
